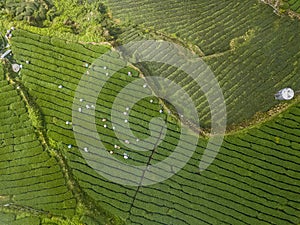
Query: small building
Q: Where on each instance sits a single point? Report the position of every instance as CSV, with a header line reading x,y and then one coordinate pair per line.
x,y
285,94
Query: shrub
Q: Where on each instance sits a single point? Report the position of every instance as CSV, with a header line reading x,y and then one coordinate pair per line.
x,y
35,118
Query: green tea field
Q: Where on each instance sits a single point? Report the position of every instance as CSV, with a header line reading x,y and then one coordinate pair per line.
x,y
237,41
46,166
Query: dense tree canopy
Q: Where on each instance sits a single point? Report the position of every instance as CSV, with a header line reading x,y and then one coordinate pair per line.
x,y
35,12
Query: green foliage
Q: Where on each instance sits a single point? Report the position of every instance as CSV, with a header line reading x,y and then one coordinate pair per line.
x,y
33,12
30,177
256,170
253,180
57,221
3,43
1,73
35,118
88,21
85,18
241,48
23,219
293,5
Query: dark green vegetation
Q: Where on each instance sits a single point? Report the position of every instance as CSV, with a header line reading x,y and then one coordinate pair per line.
x,y
30,178
294,5
71,19
33,12
289,8
65,197
290,5
251,50
255,178
2,43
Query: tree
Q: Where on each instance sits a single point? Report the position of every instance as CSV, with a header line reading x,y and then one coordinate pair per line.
x,y
34,12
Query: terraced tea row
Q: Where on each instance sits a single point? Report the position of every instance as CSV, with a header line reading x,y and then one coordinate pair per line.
x,y
29,176
254,179
56,107
210,24
293,5
245,93
239,45
11,219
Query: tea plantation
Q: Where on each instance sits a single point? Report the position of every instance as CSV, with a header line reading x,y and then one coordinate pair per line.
x,y
292,5
237,40
30,178
45,177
